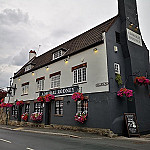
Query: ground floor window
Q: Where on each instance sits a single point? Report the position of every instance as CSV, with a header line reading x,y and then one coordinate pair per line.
x,y
27,108
38,107
59,107
14,110
82,106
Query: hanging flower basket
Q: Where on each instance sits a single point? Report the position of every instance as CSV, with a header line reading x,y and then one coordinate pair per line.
x,y
24,116
81,117
6,105
123,92
20,103
77,96
37,117
41,99
2,100
141,81
49,97
46,98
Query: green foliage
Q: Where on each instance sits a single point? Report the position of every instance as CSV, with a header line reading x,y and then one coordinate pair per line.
x,y
118,79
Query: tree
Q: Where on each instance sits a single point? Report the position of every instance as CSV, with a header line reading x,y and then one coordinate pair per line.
x,y
3,94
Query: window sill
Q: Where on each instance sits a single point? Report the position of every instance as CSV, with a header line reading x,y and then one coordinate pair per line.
x,y
24,94
57,115
80,83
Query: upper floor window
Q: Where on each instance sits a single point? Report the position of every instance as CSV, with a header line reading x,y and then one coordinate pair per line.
x,y
55,79
117,68
117,37
25,88
29,67
79,73
57,54
40,83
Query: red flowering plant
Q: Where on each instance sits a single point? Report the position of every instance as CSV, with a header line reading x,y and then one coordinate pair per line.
x,y
2,100
77,96
46,98
81,117
41,99
36,116
6,105
24,116
20,103
141,81
123,92
49,97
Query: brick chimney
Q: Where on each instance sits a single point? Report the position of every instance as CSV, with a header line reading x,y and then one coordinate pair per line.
x,y
32,54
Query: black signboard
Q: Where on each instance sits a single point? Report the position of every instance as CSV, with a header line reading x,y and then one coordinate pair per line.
x,y
60,91
131,124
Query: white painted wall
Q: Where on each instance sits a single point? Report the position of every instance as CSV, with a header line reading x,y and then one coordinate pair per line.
x,y
96,73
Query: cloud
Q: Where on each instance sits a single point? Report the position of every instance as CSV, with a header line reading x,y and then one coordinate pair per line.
x,y
6,71
20,59
13,16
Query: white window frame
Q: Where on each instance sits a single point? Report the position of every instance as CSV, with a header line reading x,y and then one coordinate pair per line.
x,y
57,54
117,68
40,85
55,81
59,107
25,89
82,106
80,75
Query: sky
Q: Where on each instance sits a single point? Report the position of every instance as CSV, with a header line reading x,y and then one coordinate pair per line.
x,y
26,24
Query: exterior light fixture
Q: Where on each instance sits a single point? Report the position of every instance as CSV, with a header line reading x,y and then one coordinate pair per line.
x,y
131,24
66,61
47,68
95,50
32,73
19,79
136,28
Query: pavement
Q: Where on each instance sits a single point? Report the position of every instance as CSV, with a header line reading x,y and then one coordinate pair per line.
x,y
73,134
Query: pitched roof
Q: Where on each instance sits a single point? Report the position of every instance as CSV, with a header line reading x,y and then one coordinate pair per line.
x,y
75,45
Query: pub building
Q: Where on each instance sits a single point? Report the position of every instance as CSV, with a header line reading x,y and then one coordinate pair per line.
x,y
108,65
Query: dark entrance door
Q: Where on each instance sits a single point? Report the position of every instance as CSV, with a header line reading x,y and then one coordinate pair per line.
x,y
47,113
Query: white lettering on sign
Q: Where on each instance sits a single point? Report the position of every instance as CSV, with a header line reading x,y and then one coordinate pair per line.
x,y
134,37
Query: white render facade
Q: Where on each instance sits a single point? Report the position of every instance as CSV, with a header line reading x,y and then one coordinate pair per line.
x,y
96,72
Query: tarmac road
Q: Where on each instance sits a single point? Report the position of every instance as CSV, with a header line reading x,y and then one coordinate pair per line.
x,y
28,139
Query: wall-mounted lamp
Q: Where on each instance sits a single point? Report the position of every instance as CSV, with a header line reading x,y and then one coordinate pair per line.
x,y
136,28
32,73
19,79
131,24
67,60
47,68
95,50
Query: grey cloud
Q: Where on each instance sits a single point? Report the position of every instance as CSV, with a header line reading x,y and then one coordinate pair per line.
x,y
13,16
20,59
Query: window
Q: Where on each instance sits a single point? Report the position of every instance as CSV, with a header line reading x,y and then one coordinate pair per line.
x,y
79,75
55,80
59,107
82,106
40,85
25,88
117,37
38,107
57,54
14,110
27,108
117,68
